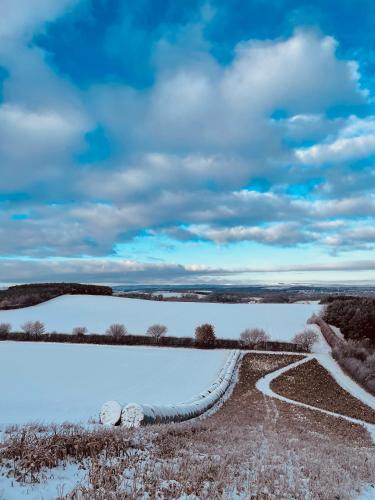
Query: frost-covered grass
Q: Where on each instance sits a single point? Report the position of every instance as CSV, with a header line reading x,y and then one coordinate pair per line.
x,y
64,382
280,321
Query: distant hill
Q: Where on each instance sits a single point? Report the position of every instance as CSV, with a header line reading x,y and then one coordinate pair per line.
x,y
30,295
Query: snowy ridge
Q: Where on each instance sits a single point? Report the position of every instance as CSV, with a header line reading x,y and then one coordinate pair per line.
x,y
134,414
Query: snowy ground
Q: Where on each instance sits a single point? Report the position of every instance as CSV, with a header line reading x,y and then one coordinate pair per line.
x,y
177,294
281,321
61,382
62,481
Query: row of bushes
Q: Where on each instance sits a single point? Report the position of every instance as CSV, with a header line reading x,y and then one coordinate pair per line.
x,y
204,335
357,358
328,333
143,340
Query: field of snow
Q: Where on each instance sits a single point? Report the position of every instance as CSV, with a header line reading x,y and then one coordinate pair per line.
x,y
281,321
167,295
62,382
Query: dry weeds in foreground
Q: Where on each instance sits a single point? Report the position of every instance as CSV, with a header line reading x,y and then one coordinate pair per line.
x,y
253,447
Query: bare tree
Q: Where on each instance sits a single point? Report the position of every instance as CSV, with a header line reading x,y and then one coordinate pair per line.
x,y
117,330
157,331
34,328
306,339
254,336
5,328
80,331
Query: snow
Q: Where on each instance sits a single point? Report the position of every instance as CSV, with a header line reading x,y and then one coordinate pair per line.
x,y
61,481
307,302
367,493
65,382
281,321
322,352
177,294
134,414
337,331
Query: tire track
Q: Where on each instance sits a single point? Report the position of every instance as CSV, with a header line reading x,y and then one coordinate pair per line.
x,y
263,385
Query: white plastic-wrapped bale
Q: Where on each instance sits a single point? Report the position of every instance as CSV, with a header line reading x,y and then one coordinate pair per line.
x,y
110,414
134,414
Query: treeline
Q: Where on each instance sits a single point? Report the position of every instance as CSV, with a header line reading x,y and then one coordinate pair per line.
x,y
30,295
143,340
355,316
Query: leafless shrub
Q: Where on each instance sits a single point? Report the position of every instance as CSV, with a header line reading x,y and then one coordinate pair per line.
x,y
205,335
80,331
117,330
33,328
5,328
370,363
306,339
253,336
157,331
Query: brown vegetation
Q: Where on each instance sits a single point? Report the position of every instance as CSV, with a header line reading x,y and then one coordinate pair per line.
x,y
355,357
79,330
5,328
157,331
205,335
34,328
117,330
355,316
252,336
312,384
306,339
143,340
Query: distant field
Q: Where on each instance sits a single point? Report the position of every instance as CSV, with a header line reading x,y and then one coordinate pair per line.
x,y
61,382
62,314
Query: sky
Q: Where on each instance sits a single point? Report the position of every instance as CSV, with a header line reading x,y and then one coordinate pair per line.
x,y
167,141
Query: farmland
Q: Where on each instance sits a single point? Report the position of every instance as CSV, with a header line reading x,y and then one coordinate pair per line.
x,y
281,321
53,383
289,425
254,445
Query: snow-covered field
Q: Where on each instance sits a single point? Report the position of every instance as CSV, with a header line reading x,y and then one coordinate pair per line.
x,y
177,294
281,321
62,382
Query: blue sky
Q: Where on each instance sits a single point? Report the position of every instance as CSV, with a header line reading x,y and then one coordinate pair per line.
x,y
202,141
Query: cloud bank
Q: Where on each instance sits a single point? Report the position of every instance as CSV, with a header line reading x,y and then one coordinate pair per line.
x,y
113,129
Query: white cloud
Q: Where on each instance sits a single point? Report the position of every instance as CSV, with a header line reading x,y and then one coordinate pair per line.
x,y
210,108
185,147
281,234
129,271
354,141
36,143
20,17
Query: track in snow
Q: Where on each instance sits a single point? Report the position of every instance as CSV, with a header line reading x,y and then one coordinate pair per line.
x,y
263,385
